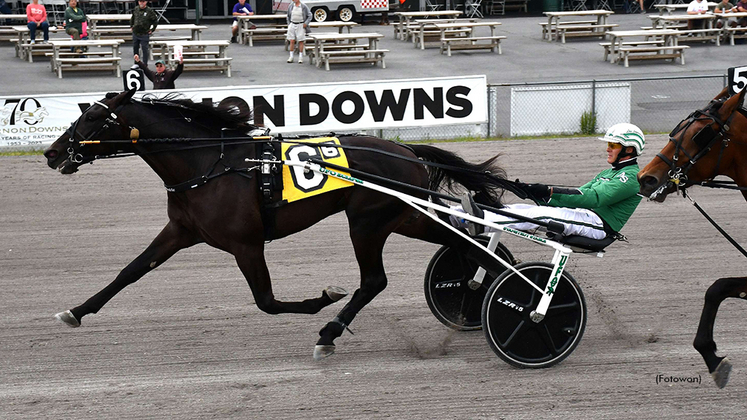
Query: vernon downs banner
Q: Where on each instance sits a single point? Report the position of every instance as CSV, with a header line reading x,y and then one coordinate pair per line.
x,y
38,120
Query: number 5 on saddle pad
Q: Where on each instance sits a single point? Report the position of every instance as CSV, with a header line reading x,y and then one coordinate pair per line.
x,y
299,184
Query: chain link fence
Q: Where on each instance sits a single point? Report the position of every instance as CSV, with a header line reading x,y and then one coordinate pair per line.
x,y
655,104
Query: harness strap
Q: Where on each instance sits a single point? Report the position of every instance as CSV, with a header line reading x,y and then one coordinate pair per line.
x,y
713,222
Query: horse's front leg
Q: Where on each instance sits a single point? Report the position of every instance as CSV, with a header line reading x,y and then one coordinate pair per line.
x,y
172,238
252,264
719,367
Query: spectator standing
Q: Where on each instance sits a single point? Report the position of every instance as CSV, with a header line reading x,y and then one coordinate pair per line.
x,y
143,22
162,78
74,18
298,19
239,9
37,18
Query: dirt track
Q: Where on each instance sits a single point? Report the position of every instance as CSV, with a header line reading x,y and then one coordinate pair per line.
x,y
187,341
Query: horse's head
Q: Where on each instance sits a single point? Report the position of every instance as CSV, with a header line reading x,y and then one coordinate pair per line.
x,y
702,138
86,137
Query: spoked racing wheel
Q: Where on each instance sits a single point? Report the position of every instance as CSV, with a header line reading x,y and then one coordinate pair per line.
x,y
447,291
518,340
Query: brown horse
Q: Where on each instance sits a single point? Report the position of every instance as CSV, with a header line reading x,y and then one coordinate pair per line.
x,y
215,197
710,142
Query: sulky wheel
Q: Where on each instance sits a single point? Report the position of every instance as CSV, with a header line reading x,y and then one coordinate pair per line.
x,y
518,340
447,292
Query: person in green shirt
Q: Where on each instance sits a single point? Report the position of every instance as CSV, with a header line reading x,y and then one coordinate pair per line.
x,y
597,209
74,18
724,7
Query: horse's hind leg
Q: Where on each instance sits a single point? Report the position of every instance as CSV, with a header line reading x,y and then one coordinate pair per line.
x,y
252,263
172,238
719,367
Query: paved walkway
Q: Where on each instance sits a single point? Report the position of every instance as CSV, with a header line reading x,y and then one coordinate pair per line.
x,y
526,58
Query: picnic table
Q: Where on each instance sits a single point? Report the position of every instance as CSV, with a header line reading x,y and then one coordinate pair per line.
x,y
262,27
664,45
466,40
63,59
669,8
329,47
24,49
95,19
402,26
732,32
420,29
200,55
556,30
124,31
707,33
6,32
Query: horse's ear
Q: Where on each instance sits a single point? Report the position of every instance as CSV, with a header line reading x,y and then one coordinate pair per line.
x,y
128,95
724,93
732,104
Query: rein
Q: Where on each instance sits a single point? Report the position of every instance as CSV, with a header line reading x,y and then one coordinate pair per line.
x,y
716,225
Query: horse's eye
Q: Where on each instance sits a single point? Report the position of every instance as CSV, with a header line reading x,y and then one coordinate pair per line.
x,y
89,117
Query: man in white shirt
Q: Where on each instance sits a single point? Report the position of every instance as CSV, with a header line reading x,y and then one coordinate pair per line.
x,y
696,7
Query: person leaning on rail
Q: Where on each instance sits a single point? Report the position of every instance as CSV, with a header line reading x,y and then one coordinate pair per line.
x,y
596,210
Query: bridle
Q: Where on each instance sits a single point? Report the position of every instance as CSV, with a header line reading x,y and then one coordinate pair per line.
x,y
705,140
77,140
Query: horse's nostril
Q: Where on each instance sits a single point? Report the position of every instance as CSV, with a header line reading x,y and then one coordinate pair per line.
x,y
50,154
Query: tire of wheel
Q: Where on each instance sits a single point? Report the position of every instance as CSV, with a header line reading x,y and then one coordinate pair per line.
x,y
320,14
517,339
447,293
346,13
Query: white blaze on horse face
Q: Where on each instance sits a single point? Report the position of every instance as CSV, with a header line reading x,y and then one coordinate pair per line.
x,y
305,180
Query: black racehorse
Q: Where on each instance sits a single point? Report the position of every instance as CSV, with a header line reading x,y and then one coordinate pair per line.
x,y
710,142
214,196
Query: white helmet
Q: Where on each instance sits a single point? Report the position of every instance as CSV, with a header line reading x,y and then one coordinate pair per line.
x,y
627,135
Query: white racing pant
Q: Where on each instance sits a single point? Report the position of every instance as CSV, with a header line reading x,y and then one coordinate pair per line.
x,y
580,222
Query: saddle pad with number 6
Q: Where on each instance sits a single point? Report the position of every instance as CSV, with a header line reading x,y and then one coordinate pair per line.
x,y
298,184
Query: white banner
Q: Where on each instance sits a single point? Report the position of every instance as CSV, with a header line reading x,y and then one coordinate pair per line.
x,y
37,121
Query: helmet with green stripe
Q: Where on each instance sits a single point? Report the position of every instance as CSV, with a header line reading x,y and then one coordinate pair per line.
x,y
627,135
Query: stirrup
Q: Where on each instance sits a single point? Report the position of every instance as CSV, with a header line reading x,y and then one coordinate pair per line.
x,y
469,205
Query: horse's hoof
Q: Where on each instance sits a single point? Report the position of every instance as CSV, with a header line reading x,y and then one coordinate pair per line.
x,y
721,374
68,319
335,293
322,351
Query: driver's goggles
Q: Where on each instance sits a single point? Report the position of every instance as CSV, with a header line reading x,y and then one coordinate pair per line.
x,y
614,145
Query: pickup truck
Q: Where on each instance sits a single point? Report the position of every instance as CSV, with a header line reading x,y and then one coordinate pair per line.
x,y
345,10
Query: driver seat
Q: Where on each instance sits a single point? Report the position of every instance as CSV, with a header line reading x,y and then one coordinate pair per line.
x,y
582,244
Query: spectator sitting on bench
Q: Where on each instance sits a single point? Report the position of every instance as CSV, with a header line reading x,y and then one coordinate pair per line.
x,y
724,7
37,18
162,78
74,19
742,7
696,7
239,9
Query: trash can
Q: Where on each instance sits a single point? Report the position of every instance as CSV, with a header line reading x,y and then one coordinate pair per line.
x,y
551,5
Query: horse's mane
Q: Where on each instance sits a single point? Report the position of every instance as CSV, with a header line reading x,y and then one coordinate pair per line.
x,y
228,113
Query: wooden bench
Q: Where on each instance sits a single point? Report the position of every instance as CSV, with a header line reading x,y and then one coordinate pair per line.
x,y
736,32
515,4
678,27
88,63
700,35
435,33
608,45
546,34
576,31
332,47
471,43
265,33
111,32
216,63
28,50
353,56
660,52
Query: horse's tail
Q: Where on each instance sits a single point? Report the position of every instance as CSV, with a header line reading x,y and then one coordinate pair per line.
x,y
486,179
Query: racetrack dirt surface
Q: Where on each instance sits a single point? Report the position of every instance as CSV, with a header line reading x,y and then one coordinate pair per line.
x,y
187,340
